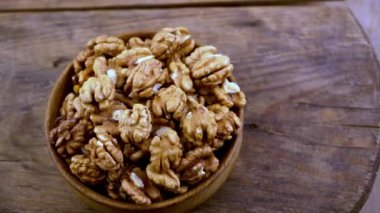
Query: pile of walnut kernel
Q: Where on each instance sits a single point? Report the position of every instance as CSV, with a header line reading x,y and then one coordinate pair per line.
x,y
144,117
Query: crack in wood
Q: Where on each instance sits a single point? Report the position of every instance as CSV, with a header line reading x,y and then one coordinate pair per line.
x,y
314,105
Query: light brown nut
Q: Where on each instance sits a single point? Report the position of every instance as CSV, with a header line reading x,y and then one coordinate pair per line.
x,y
107,128
98,89
199,97
239,99
84,55
83,110
198,164
133,189
90,61
134,124
116,73
135,42
67,108
151,190
168,41
229,95
109,106
132,57
69,135
77,66
198,54
105,152
198,125
169,102
228,123
100,66
180,74
194,174
166,153
85,74
106,110
210,164
81,59
106,45
121,75
86,170
211,70
145,79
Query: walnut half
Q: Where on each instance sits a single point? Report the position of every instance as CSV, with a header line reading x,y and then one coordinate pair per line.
x,y
135,124
86,170
166,154
198,164
198,125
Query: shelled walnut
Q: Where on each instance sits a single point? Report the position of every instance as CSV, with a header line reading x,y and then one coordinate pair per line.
x,y
145,117
172,40
105,152
145,79
228,124
180,74
98,89
198,54
69,136
211,70
138,42
169,102
86,170
72,107
134,125
106,45
198,164
132,57
166,153
198,125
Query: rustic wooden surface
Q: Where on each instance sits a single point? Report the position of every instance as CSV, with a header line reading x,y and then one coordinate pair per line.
x,y
367,13
312,119
40,5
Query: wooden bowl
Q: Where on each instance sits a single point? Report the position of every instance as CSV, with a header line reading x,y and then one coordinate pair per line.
x,y
227,156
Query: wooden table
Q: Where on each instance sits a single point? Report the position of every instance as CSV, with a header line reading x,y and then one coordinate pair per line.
x,y
311,140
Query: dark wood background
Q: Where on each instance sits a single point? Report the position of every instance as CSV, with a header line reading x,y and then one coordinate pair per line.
x,y
311,134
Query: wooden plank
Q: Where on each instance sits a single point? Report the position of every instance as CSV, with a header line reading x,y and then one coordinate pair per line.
x,y
25,5
312,119
367,14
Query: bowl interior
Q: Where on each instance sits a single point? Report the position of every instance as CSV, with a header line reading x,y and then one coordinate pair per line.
x,y
61,89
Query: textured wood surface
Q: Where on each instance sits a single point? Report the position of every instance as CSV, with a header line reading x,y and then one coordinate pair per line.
x,y
367,13
312,119
25,5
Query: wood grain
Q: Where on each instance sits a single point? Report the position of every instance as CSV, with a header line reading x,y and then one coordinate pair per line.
x,y
312,119
367,14
41,5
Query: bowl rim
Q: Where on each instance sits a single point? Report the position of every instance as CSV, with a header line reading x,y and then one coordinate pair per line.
x,y
82,188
